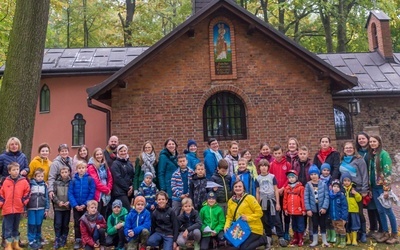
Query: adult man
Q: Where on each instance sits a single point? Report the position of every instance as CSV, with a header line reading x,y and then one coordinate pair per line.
x,y
110,153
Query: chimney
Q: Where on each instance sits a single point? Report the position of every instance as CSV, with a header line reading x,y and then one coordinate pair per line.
x,y
198,4
379,37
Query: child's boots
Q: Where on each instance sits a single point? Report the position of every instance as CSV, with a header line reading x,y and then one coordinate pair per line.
x,y
348,236
354,238
8,245
295,239
342,241
314,240
77,244
300,238
15,244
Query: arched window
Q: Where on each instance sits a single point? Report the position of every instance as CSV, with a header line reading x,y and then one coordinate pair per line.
x,y
224,117
78,130
342,123
44,99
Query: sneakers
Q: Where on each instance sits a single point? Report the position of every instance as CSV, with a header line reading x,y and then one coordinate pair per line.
x,y
34,245
282,242
77,244
394,239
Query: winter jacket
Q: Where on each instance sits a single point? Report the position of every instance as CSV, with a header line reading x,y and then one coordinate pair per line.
x,y
87,228
136,222
55,167
39,162
260,156
177,183
114,219
384,179
293,199
167,165
192,159
198,191
337,206
352,199
279,169
248,180
7,157
223,193
61,193
81,190
149,193
309,197
251,209
360,177
122,172
213,217
210,162
39,198
333,159
232,163
302,170
14,195
100,187
164,221
190,222
139,174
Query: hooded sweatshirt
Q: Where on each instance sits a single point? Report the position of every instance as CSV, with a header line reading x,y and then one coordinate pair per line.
x,y
39,162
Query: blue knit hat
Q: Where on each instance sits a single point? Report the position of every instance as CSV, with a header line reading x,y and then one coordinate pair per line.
x,y
326,165
313,170
190,143
344,176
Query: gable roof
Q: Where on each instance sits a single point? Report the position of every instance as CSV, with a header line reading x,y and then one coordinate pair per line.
x,y
376,76
324,70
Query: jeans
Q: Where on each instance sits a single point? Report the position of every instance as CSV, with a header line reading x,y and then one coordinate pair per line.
x,y
383,212
61,222
11,226
77,216
156,239
298,224
35,220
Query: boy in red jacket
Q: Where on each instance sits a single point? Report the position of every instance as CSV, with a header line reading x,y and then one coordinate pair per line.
x,y
293,205
93,227
14,196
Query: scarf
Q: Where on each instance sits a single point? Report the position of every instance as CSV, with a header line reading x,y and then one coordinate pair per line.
x,y
111,152
323,154
346,167
91,218
218,156
66,162
148,161
236,198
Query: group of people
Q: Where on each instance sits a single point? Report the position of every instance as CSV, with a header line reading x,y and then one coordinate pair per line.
x,y
170,199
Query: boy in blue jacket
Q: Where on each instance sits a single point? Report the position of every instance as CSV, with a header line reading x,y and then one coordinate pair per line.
x,y
80,191
338,212
137,224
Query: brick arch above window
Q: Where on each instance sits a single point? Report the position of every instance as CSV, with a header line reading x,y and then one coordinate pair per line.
x,y
343,126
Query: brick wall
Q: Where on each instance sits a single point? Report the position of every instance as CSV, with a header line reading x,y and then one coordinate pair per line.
x,y
165,97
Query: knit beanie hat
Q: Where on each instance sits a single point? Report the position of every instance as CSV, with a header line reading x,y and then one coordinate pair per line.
x,y
326,165
345,175
190,143
336,182
121,146
148,174
313,170
117,203
211,195
139,199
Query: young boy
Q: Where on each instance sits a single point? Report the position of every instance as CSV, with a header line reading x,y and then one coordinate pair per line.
x,y
137,224
213,221
62,208
148,190
92,226
338,212
115,226
279,167
38,207
180,183
14,196
222,178
293,206
197,186
244,174
353,197
326,178
316,199
189,225
80,191
268,197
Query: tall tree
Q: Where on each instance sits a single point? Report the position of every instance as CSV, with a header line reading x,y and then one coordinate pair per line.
x,y
20,87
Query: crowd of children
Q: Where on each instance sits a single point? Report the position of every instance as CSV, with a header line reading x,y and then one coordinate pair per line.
x,y
288,192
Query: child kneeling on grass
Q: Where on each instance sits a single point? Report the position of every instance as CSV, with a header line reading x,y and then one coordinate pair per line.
x,y
115,226
93,227
137,224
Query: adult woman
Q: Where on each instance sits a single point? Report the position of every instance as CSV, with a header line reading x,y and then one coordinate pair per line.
x,y
81,155
13,154
292,152
265,153
328,154
212,156
191,154
355,165
122,172
145,162
380,169
41,161
362,145
245,206
232,157
62,159
101,174
167,164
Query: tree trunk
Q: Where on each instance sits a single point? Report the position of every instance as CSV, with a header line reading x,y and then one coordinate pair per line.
x,y
130,11
341,28
326,23
85,25
21,81
281,25
264,7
